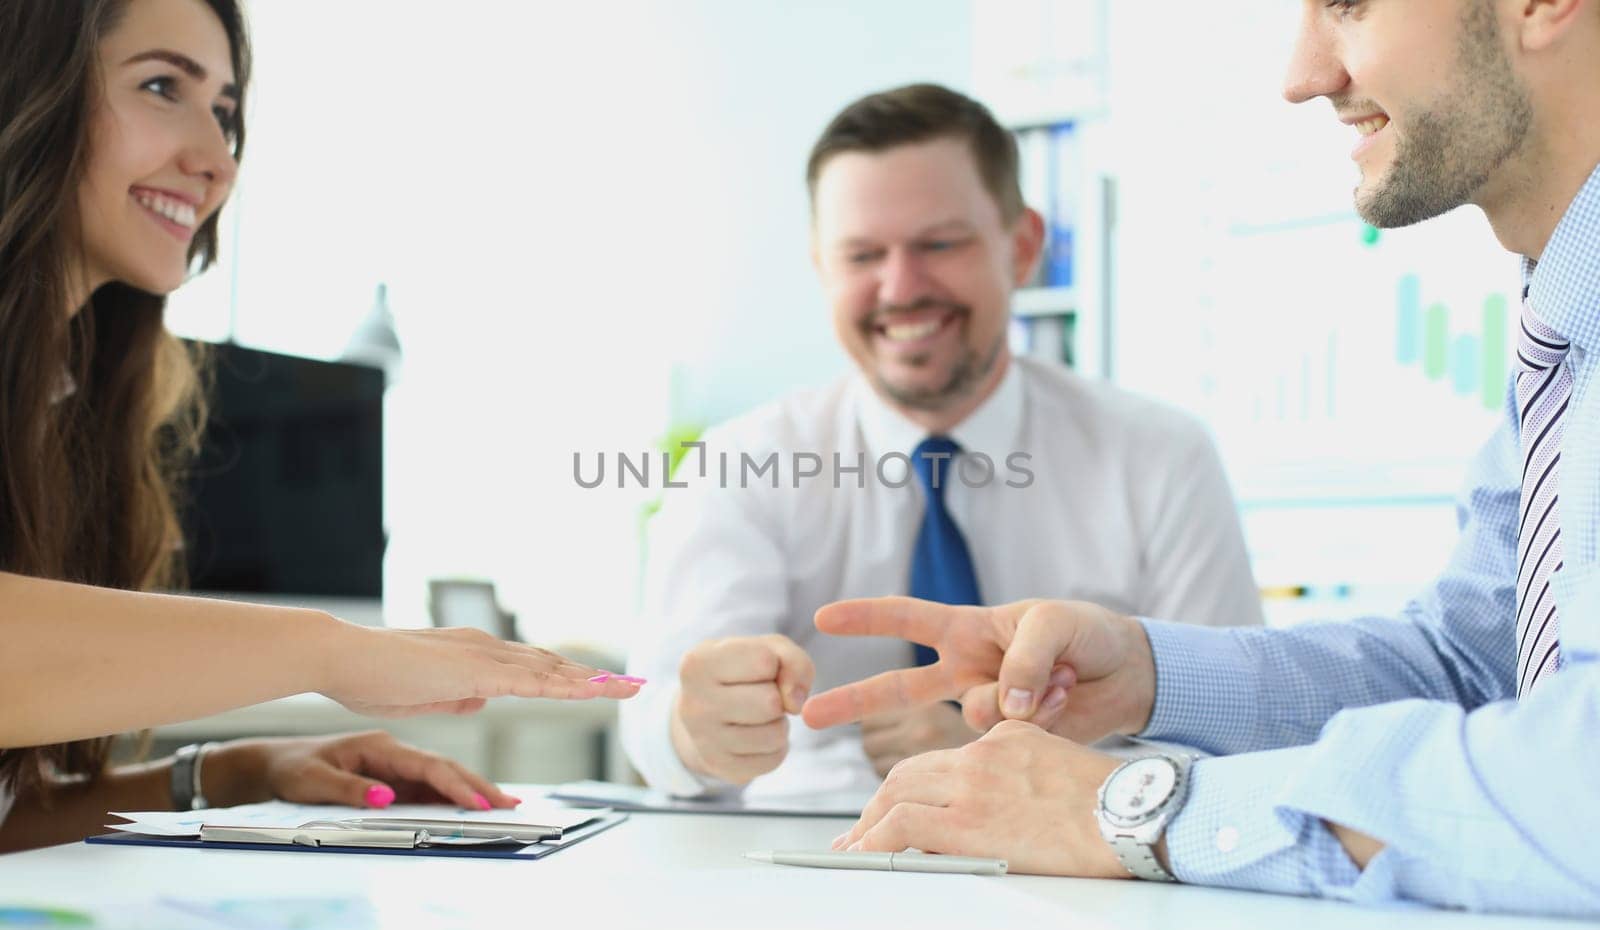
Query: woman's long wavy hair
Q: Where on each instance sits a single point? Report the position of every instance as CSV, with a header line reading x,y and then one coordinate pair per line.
x,y
100,410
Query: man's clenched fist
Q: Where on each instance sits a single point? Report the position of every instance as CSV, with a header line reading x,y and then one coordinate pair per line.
x,y
730,720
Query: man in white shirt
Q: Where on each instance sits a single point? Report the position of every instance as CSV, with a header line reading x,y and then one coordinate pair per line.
x,y
945,468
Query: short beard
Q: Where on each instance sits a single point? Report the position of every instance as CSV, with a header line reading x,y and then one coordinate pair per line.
x,y
969,371
1450,151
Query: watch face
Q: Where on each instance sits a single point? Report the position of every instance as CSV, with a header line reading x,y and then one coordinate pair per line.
x,y
1140,788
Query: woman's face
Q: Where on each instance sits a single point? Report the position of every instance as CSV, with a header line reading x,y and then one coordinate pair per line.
x,y
160,144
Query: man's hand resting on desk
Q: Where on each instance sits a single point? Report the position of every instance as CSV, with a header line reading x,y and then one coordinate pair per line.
x,y
730,720
1003,795
1076,669
900,734
1018,794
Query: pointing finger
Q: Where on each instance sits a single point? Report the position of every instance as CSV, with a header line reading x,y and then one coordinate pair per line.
x,y
901,689
919,621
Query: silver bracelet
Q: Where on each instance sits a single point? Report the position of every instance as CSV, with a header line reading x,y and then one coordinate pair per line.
x,y
185,781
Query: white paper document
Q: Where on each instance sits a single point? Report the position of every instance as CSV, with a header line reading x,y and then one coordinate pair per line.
x,y
285,814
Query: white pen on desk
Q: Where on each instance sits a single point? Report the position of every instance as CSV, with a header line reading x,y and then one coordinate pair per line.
x,y
885,862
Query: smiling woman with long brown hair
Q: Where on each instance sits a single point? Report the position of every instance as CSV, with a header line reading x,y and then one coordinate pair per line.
x,y
121,128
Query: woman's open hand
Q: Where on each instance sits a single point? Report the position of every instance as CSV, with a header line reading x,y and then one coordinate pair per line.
x,y
403,673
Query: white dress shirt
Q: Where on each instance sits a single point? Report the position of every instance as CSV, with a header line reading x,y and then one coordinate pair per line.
x,y
1127,507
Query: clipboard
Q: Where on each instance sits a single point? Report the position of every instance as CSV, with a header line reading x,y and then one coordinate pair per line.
x,y
530,851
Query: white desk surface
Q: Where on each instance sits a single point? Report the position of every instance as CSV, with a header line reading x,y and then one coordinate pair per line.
x,y
669,871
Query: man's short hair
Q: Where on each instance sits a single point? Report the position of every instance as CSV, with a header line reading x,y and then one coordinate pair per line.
x,y
922,113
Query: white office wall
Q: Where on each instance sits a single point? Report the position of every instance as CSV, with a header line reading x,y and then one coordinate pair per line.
x,y
566,200
769,76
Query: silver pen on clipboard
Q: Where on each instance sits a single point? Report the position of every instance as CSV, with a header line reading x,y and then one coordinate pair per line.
x,y
383,832
313,836
453,829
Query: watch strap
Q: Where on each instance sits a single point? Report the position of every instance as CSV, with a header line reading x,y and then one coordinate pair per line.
x,y
1135,846
1140,859
184,784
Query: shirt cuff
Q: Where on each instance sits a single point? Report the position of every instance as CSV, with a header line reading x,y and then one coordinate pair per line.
x,y
1235,832
1208,694
676,779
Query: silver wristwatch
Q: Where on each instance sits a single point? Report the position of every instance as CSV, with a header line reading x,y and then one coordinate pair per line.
x,y
1137,802
185,783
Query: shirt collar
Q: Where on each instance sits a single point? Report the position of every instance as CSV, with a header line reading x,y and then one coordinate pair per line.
x,y
993,428
1564,282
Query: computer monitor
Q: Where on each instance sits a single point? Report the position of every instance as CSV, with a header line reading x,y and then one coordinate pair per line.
x,y
286,497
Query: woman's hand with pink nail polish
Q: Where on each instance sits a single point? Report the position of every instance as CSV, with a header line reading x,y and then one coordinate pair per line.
x,y
370,770
402,673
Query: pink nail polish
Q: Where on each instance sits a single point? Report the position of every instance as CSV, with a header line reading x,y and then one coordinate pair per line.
x,y
380,796
481,801
631,679
514,800
602,678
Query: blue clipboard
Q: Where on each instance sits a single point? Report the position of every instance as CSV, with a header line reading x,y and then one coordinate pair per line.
x,y
530,851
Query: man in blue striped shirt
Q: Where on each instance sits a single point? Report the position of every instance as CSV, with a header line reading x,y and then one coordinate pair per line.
x,y
1447,755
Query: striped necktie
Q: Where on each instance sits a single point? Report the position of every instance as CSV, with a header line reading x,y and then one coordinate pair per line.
x,y
941,564
1543,387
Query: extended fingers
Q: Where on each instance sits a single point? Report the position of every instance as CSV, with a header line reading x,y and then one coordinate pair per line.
x,y
526,679
521,670
919,621
552,663
901,689
547,662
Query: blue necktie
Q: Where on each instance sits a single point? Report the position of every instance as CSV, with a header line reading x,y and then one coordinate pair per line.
x,y
941,566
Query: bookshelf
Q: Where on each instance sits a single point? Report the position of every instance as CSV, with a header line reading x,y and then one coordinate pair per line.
x,y
1042,67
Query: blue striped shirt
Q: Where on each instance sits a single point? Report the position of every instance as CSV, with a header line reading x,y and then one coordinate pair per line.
x,y
1406,728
